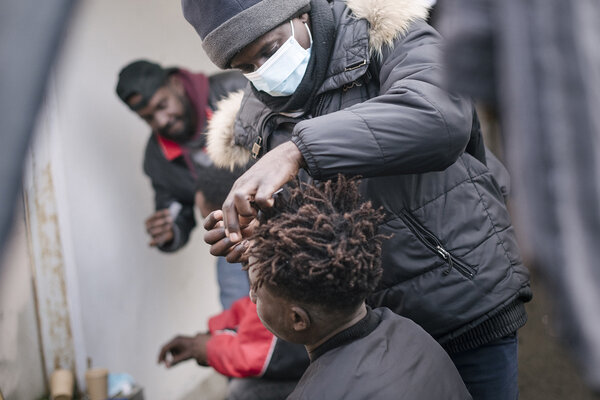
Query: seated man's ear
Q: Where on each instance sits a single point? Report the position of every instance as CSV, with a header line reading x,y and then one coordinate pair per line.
x,y
300,319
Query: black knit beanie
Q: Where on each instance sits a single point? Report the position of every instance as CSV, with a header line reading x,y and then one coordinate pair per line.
x,y
227,26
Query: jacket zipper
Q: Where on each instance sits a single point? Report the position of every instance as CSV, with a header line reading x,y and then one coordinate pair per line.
x,y
318,106
433,243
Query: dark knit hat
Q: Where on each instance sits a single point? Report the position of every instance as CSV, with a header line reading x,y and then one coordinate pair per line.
x,y
141,77
227,26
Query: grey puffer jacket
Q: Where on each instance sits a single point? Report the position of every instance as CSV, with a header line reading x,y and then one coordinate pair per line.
x,y
452,265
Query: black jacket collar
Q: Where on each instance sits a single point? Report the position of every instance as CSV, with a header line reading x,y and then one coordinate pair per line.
x,y
357,331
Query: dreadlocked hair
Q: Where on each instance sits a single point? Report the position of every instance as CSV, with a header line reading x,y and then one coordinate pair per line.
x,y
320,246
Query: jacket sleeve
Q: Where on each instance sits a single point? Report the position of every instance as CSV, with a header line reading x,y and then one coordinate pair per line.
x,y
412,126
185,221
240,345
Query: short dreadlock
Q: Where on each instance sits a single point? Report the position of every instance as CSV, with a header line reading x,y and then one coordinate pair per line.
x,y
321,246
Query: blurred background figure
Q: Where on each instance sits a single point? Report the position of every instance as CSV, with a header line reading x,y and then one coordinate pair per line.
x,y
177,105
211,192
535,65
30,35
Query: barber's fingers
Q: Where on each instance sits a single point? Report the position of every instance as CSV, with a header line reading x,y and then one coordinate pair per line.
x,y
273,170
213,219
238,204
242,208
238,253
221,247
240,201
264,195
248,226
256,186
214,235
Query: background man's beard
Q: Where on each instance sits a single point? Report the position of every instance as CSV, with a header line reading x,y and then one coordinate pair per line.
x,y
189,124
183,135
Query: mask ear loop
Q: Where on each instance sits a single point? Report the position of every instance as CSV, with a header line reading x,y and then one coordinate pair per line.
x,y
307,29
309,34
292,24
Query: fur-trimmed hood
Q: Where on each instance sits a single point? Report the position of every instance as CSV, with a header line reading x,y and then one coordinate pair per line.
x,y
220,134
388,20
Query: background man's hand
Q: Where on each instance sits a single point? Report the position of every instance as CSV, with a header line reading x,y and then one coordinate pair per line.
x,y
160,227
257,185
183,348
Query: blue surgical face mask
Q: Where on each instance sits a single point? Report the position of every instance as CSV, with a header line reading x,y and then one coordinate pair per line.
x,y
281,74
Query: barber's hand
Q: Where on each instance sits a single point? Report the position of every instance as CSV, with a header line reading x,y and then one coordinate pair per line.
x,y
183,348
160,227
220,245
258,184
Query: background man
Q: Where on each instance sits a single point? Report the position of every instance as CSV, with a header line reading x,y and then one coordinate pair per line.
x,y
211,191
176,104
312,264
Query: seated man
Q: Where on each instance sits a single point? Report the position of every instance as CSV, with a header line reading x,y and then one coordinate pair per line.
x,y
237,345
312,264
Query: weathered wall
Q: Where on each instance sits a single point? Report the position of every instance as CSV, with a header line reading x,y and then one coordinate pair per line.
x,y
21,369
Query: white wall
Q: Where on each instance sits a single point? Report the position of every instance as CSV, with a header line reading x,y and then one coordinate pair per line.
x,y
131,297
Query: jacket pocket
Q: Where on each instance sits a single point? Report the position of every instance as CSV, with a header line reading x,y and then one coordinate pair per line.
x,y
430,241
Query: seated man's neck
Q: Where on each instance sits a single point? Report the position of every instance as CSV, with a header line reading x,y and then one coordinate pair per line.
x,y
330,324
